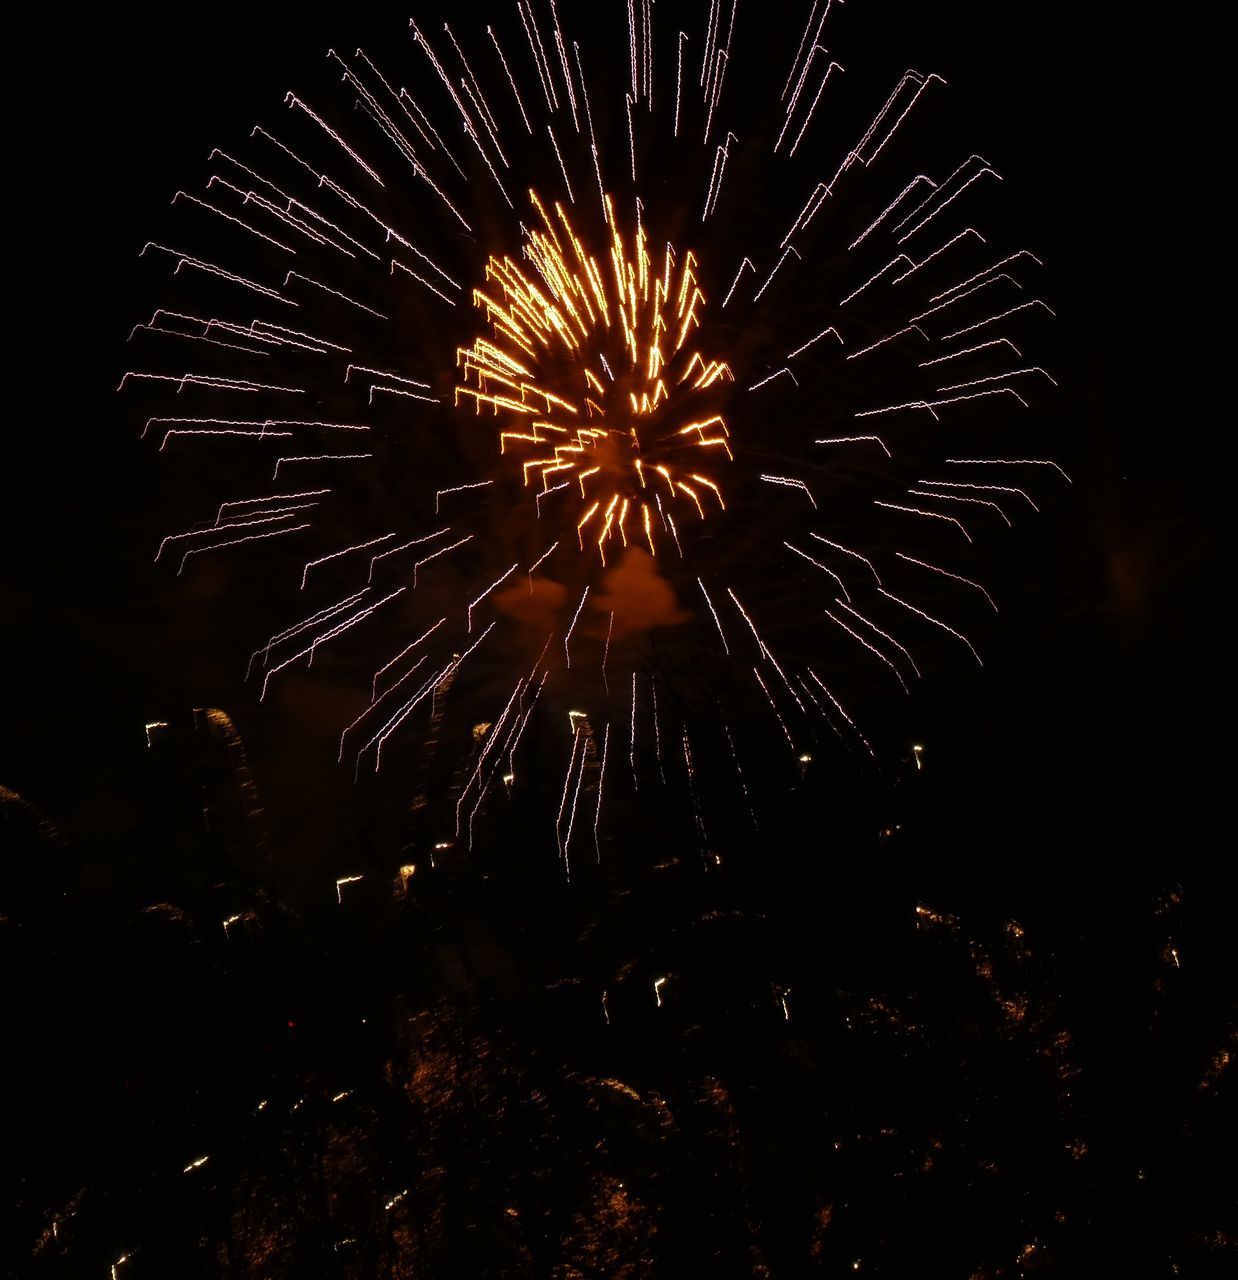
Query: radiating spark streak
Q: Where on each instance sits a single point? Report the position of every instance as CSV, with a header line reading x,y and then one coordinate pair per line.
x,y
567,782
713,85
954,239
205,380
799,89
649,58
253,537
747,262
597,813
769,279
931,406
726,648
890,337
421,280
321,616
937,622
678,80
399,391
782,724
210,268
842,586
982,488
335,293
442,551
868,622
1006,462
631,135
451,669
371,105
739,773
967,293
1002,315
898,675
335,555
847,551
567,71
931,515
260,519
610,628
711,27
400,715
715,179
949,497
538,58
789,482
945,573
567,653
820,193
497,582
367,611
261,434
632,736
546,493
799,137
799,52
240,222
778,373
385,373
404,546
492,739
441,72
511,80
458,488
855,293
997,377
330,185
812,341
478,96
922,83
292,221
962,284
967,351
657,728
842,711
375,698
273,497
291,100
402,654
593,142
722,60
320,457
562,167
571,818
522,725
766,651
885,213
856,440
954,195
937,189
197,337
539,561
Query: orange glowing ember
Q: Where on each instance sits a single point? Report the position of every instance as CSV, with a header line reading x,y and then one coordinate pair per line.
x,y
629,420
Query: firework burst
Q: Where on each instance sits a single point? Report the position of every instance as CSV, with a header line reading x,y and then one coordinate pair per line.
x,y
589,391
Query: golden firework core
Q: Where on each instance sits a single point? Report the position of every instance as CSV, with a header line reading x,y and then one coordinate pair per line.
x,y
589,369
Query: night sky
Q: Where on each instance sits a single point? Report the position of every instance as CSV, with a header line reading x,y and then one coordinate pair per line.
x,y
1077,786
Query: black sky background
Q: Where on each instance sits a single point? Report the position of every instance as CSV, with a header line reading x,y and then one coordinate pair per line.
x,y
1096,717
1087,767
